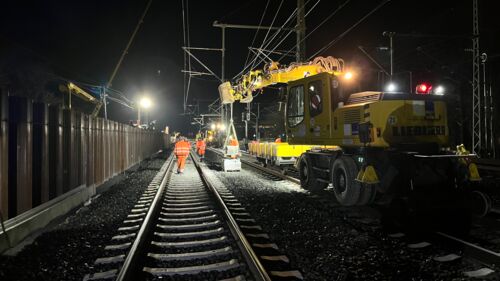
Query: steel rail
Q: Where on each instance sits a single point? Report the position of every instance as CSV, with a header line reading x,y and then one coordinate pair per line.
x,y
476,252
127,270
255,266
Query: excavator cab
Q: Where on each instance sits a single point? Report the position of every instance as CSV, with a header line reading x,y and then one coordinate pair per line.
x,y
310,106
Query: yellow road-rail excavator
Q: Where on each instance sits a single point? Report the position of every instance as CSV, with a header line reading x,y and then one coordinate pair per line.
x,y
368,145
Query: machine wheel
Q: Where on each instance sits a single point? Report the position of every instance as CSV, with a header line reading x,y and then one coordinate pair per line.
x,y
480,202
347,189
306,175
367,194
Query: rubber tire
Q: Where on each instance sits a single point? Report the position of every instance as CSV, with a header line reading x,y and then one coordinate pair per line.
x,y
484,199
346,166
367,194
306,176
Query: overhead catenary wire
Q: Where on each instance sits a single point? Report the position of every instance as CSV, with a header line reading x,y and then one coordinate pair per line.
x,y
290,32
265,44
274,36
318,26
338,38
306,14
257,31
251,63
93,88
272,23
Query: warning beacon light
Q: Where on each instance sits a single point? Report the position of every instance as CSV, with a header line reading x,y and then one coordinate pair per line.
x,y
348,75
423,89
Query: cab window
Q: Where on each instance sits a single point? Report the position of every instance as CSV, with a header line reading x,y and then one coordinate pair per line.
x,y
295,106
315,98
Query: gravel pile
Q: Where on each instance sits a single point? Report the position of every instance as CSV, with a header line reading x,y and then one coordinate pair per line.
x,y
68,251
328,242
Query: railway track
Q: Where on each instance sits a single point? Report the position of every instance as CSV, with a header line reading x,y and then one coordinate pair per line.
x,y
488,165
179,229
487,260
184,228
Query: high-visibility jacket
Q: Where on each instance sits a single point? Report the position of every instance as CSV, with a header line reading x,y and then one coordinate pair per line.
x,y
200,145
182,148
233,142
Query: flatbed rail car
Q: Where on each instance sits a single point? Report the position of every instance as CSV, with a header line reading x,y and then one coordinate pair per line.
x,y
277,154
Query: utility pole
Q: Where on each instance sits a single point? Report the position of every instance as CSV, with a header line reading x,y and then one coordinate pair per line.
x,y
391,50
476,90
486,127
301,32
223,58
257,122
489,138
138,115
492,139
105,103
247,118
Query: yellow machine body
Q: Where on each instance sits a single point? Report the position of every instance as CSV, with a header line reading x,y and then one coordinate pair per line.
x,y
210,136
363,144
273,150
288,150
319,112
254,80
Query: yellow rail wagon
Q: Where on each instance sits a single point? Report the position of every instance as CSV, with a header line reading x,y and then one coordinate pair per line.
x,y
282,154
261,149
252,148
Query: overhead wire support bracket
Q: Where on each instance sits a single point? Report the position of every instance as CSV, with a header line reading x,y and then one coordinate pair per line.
x,y
244,26
259,53
279,52
203,49
201,63
196,73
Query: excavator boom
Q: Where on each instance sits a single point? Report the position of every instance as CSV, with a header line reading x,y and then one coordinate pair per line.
x,y
272,74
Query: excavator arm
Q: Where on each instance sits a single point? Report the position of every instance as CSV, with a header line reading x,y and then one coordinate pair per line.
x,y
79,92
272,74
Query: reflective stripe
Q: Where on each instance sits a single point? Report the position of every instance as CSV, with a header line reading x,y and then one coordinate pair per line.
x,y
182,148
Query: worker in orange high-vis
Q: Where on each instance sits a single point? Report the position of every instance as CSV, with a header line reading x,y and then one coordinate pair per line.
x,y
181,151
200,148
233,142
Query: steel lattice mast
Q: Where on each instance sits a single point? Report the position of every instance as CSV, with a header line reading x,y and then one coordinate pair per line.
x,y
476,90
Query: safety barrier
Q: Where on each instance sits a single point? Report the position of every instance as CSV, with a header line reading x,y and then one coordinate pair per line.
x,y
47,151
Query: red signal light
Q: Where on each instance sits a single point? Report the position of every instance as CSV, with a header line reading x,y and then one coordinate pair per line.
x,y
423,89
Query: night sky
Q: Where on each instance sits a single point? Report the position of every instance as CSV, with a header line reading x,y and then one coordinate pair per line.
x,y
82,41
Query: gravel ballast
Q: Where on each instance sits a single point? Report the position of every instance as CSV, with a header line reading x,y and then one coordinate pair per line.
x,y
329,242
69,249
